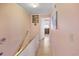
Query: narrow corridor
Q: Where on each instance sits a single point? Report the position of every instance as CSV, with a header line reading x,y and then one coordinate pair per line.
x,y
45,30
44,49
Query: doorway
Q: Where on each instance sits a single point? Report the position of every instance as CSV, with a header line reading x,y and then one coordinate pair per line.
x,y
44,27
44,47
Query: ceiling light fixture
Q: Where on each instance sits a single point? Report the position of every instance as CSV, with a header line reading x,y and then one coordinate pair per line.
x,y
35,5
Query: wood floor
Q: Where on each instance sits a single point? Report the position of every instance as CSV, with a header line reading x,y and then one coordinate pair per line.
x,y
44,49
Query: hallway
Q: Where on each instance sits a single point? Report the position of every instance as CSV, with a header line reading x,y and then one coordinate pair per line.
x,y
44,49
24,28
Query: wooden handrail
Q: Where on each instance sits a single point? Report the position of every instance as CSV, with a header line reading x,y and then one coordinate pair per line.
x,y
20,48
23,47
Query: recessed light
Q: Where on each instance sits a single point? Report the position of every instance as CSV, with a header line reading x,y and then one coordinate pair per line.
x,y
34,5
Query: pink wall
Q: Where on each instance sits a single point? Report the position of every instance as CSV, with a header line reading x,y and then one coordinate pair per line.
x,y
12,27
14,22
65,40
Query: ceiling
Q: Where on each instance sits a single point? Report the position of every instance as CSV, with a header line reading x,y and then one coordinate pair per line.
x,y
43,8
